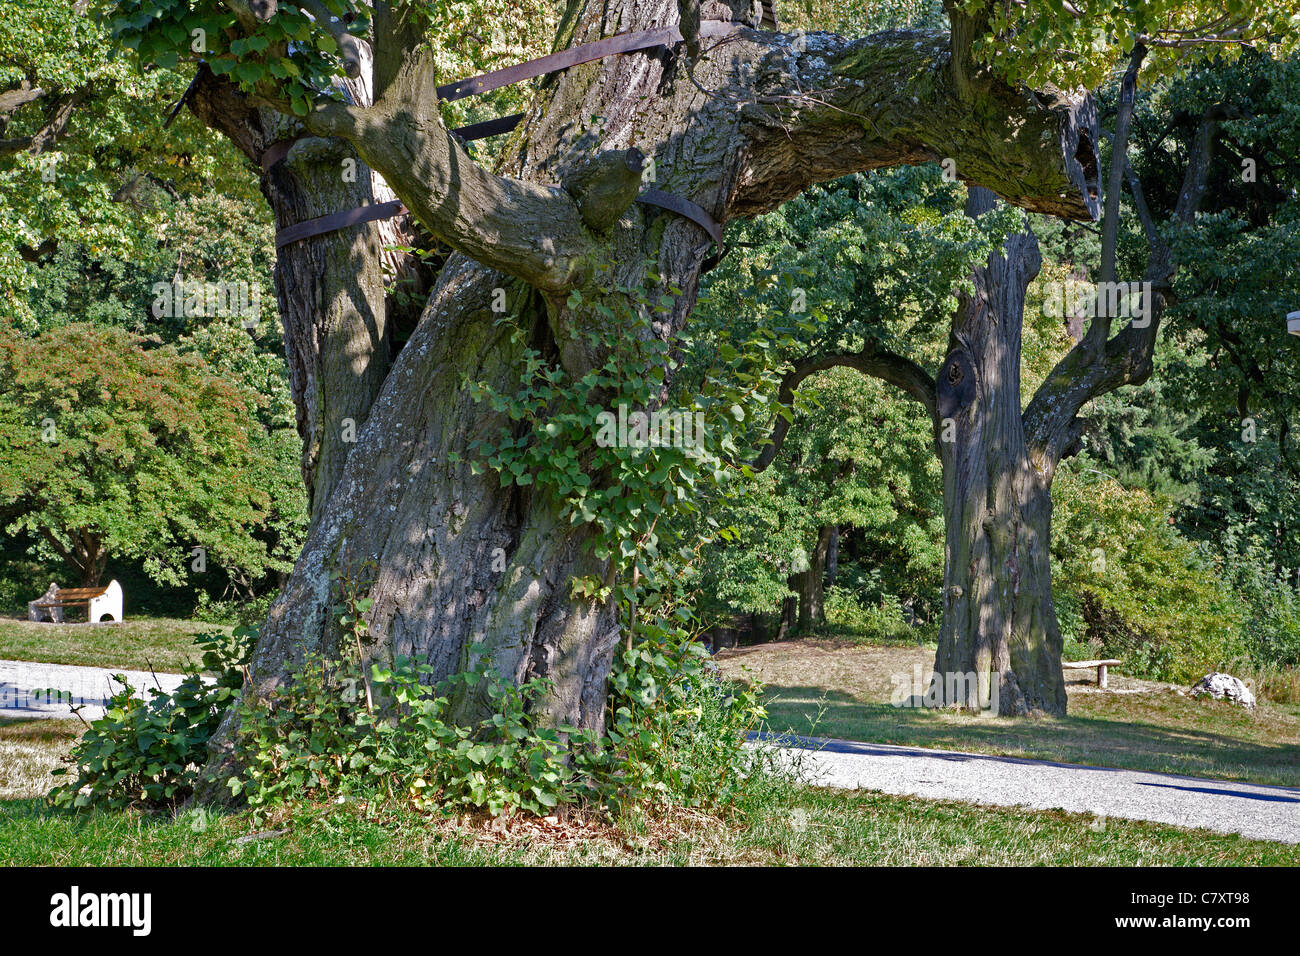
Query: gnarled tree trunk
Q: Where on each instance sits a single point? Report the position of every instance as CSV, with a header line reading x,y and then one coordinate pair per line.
x,y
999,620
999,643
330,288
452,560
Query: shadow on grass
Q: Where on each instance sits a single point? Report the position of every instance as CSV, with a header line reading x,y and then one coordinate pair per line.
x,y
1090,740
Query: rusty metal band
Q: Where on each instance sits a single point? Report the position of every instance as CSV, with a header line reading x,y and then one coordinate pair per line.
x,y
338,220
277,151
387,210
684,208
574,55
584,53
189,91
492,127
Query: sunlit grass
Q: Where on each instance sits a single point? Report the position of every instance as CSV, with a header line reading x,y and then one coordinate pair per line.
x,y
166,644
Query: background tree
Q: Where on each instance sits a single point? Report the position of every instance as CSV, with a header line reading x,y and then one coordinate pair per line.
x,y
999,619
112,449
849,498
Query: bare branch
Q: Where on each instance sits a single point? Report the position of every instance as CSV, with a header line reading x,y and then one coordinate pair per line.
x,y
11,100
1051,422
887,366
1099,332
606,186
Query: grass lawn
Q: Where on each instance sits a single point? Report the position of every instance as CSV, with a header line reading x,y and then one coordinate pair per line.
x,y
1135,724
165,643
792,825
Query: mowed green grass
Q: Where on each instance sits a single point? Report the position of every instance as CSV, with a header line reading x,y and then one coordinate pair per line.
x,y
789,824
166,644
805,826
844,690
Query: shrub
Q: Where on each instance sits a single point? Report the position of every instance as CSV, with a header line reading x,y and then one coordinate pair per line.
x,y
250,613
1271,603
150,752
1130,587
883,623
676,736
677,729
318,735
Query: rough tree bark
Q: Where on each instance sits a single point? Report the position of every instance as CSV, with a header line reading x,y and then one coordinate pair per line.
x,y
833,556
999,622
811,584
330,289
759,122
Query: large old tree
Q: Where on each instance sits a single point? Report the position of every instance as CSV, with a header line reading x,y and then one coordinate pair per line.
x,y
999,459
737,120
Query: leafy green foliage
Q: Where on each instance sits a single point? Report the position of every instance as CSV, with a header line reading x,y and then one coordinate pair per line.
x,y
1076,45
109,448
877,261
317,735
879,257
849,615
676,737
677,729
150,752
107,181
1127,584
563,434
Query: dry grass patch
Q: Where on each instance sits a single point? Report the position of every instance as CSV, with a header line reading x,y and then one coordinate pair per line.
x,y
29,750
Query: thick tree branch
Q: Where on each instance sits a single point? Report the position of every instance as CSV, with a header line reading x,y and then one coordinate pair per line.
x,y
60,550
243,11
56,123
11,100
395,26
801,112
965,29
842,106
606,186
524,229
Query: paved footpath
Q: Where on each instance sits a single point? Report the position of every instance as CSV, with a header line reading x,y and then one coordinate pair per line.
x,y
29,689
1257,811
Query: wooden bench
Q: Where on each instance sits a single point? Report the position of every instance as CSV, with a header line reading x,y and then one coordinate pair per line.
x,y
99,603
1100,665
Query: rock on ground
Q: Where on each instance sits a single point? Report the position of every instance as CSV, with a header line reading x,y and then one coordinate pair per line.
x,y
1224,687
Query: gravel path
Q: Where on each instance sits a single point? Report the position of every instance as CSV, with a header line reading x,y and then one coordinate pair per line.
x,y
21,680
1253,810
